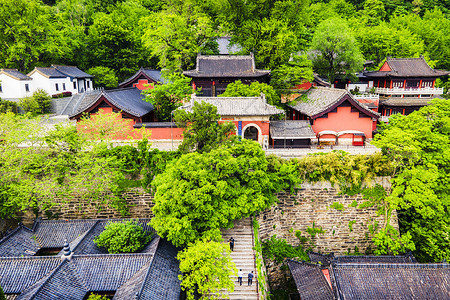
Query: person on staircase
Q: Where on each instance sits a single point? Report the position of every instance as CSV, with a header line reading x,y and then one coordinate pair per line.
x,y
231,241
240,274
250,278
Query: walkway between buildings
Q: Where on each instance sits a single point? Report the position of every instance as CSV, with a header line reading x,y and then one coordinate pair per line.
x,y
244,258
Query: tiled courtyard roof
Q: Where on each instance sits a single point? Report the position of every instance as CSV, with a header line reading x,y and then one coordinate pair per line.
x,y
14,73
151,274
72,71
236,106
291,129
320,100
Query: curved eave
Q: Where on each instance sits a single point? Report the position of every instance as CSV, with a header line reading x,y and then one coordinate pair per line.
x,y
246,75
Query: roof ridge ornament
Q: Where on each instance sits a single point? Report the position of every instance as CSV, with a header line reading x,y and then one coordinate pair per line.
x,y
67,252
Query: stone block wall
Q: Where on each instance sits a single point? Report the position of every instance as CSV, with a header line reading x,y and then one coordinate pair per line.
x,y
313,207
140,206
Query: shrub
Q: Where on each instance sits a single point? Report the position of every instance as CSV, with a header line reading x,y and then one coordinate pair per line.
x,y
39,103
123,237
278,250
2,295
97,297
7,106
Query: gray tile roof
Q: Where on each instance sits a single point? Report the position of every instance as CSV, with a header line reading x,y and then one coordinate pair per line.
x,y
49,72
320,100
129,100
226,66
18,273
407,67
236,106
72,71
406,102
392,281
291,129
327,259
151,274
310,281
15,74
20,241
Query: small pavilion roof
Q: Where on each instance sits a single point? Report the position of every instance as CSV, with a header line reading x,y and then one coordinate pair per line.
x,y
150,74
222,66
406,67
13,73
320,100
291,129
236,106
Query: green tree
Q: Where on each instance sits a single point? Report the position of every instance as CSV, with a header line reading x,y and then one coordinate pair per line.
x,y
334,50
207,269
418,146
296,71
201,193
176,35
7,106
374,12
97,297
27,35
238,89
202,132
168,96
123,237
104,77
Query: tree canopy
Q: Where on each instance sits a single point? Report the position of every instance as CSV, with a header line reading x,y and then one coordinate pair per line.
x,y
201,193
202,131
418,145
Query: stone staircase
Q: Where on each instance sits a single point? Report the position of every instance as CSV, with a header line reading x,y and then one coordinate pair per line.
x,y
244,258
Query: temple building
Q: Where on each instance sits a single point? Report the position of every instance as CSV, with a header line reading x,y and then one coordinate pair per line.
x,y
213,73
403,84
335,116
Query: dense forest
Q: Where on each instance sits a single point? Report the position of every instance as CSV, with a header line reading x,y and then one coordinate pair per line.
x,y
113,38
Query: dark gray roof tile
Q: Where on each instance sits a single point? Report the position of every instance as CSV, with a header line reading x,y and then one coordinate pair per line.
x,y
319,100
226,66
14,73
392,281
407,67
236,106
21,241
291,129
310,281
71,71
50,72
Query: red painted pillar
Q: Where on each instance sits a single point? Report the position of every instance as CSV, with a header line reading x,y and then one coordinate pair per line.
x,y
433,84
390,86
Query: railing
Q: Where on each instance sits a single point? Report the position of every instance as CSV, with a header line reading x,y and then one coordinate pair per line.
x,y
367,96
401,91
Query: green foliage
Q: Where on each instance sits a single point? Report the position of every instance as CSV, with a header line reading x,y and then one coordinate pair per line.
x,y
53,167
168,96
296,71
201,193
354,203
350,225
207,268
7,106
97,297
335,50
259,259
123,237
2,295
418,147
278,250
238,89
202,131
337,206
104,77
177,34
39,103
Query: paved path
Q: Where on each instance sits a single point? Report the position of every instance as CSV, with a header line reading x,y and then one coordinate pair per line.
x,y
244,258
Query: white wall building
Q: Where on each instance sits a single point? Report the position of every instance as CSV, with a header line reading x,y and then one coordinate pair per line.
x,y
58,79
14,84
